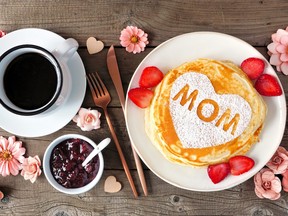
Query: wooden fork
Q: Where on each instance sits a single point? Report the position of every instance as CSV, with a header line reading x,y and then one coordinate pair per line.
x,y
101,99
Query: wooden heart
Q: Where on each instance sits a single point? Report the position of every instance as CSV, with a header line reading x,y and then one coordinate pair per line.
x,y
93,45
201,117
112,185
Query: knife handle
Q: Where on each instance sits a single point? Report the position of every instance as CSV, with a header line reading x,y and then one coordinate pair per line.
x,y
140,171
122,157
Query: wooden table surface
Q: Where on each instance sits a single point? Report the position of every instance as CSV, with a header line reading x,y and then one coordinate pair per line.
x,y
250,20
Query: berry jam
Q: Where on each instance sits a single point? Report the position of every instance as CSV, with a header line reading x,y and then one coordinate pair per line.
x,y
66,163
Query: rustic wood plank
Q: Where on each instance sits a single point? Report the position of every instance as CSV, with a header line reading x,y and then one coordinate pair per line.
x,y
252,21
164,199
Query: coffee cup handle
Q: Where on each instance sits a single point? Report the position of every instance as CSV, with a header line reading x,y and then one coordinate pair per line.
x,y
66,49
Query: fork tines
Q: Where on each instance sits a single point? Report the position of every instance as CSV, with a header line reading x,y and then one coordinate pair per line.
x,y
96,83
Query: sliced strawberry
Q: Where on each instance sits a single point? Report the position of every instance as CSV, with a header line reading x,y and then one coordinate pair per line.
x,y
253,67
267,85
217,172
141,96
150,77
240,164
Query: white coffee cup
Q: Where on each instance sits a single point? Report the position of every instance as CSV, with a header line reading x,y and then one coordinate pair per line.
x,y
32,77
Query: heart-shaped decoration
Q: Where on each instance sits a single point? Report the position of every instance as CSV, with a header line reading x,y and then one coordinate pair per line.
x,y
112,185
201,117
93,45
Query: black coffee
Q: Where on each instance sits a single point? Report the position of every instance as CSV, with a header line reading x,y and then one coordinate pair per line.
x,y
30,81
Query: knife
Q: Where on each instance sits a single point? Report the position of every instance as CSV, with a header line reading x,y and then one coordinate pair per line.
x,y
115,76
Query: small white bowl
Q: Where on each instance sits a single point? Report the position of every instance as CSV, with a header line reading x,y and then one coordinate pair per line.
x,y
49,175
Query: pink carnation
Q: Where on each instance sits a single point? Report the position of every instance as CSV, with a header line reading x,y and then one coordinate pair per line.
x,y
31,168
278,50
267,185
11,156
134,39
279,162
87,119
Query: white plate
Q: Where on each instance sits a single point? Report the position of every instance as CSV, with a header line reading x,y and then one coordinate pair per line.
x,y
186,48
55,118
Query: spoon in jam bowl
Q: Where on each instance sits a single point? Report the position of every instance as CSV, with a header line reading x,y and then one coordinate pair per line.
x,y
96,151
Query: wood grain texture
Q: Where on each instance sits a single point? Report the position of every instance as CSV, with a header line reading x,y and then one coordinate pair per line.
x,y
251,20
164,199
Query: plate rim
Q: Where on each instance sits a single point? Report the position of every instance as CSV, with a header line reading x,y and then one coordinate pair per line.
x,y
282,114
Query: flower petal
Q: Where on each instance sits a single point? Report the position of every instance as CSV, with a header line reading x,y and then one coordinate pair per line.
x,y
140,33
14,167
280,48
4,143
271,195
268,176
284,68
272,47
130,48
275,59
279,34
129,30
284,40
137,48
125,43
284,57
20,152
5,169
258,193
276,185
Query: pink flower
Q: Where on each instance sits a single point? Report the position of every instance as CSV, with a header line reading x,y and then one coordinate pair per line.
x,y
87,119
134,39
267,185
279,162
285,181
11,156
278,50
31,168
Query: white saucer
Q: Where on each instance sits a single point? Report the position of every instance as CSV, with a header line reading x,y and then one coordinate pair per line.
x,y
51,120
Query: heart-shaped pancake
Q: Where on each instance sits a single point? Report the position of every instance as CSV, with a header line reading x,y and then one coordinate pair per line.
x,y
204,112
210,119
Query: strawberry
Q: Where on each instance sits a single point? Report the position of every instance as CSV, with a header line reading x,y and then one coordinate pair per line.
x,y
253,67
2,33
150,77
240,164
141,96
217,172
267,85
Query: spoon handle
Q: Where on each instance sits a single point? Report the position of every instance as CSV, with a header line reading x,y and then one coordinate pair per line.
x,y
96,151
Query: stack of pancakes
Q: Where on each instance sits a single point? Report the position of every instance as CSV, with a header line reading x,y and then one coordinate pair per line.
x,y
191,127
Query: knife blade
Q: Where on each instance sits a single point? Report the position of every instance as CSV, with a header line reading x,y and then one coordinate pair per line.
x,y
113,69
